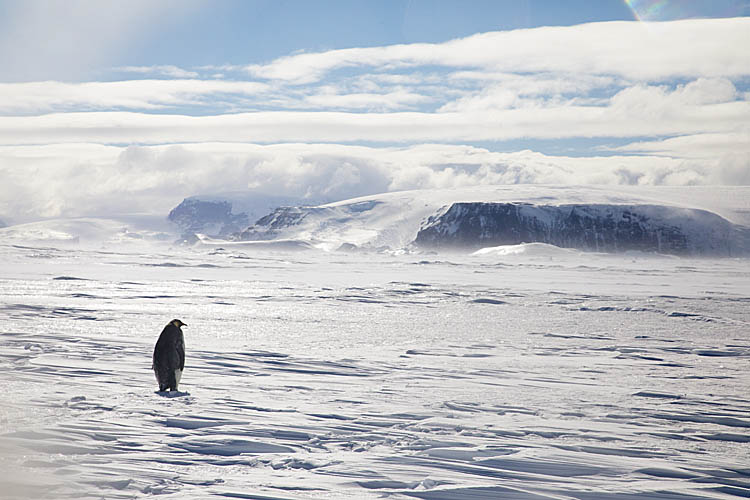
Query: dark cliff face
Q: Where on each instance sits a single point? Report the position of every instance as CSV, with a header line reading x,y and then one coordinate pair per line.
x,y
211,217
600,228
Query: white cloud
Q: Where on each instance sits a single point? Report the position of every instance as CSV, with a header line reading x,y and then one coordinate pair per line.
x,y
84,179
398,99
494,97
706,91
538,84
132,94
700,146
164,70
694,95
635,51
633,112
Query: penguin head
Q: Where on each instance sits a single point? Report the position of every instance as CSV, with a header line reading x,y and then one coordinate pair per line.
x,y
177,323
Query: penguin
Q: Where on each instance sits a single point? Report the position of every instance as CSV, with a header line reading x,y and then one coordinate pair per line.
x,y
169,356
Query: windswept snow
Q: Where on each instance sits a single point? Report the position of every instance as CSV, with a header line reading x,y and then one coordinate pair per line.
x,y
528,373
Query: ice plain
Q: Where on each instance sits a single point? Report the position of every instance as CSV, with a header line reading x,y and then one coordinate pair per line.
x,y
536,373
525,372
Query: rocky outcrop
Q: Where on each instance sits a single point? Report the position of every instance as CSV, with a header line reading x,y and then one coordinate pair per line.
x,y
600,228
207,217
301,221
274,224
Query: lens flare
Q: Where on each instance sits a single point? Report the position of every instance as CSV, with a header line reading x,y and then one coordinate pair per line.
x,y
672,10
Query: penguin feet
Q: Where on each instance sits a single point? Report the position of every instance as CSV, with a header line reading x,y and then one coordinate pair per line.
x,y
171,394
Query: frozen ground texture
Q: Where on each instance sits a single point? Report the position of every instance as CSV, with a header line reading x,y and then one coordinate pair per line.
x,y
526,372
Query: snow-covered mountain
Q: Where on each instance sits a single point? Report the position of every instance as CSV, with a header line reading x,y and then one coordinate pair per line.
x,y
212,217
222,214
679,220
685,220
593,227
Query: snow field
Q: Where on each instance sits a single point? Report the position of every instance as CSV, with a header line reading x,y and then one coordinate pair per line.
x,y
529,374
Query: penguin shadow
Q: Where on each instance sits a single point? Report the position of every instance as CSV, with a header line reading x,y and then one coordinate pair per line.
x,y
171,394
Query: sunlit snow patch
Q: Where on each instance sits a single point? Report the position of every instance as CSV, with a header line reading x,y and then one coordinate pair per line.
x,y
280,244
535,250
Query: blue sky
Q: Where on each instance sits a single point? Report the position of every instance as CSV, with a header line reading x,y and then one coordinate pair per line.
x,y
145,102
196,33
242,32
190,33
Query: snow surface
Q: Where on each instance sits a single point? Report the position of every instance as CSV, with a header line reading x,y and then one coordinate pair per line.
x,y
535,250
523,373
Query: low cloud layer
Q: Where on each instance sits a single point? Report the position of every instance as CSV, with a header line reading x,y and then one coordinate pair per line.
x,y
83,179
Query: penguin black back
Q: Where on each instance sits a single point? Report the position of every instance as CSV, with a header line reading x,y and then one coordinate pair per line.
x,y
169,356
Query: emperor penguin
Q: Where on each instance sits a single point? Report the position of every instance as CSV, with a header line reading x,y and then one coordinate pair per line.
x,y
169,356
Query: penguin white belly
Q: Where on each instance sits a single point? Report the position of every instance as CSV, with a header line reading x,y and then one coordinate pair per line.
x,y
177,377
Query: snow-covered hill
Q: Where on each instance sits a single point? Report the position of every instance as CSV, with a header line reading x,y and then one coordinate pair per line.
x,y
685,220
111,232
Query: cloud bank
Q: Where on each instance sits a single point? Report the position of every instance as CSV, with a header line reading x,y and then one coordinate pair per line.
x,y
72,180
637,111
